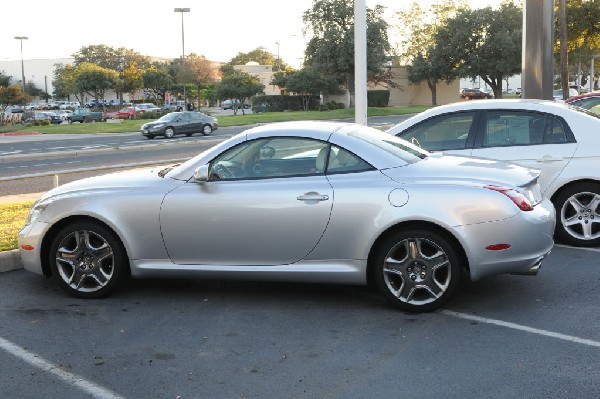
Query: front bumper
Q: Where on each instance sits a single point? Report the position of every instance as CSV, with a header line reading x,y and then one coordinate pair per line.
x,y
31,236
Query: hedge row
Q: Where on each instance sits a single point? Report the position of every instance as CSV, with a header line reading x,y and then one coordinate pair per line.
x,y
280,103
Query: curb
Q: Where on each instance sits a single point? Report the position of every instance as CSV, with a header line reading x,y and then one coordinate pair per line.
x,y
10,260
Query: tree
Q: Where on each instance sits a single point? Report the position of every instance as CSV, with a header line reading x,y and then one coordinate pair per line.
x,y
331,49
110,58
94,80
4,79
258,55
425,63
64,82
199,71
307,83
483,42
157,80
132,80
238,85
13,94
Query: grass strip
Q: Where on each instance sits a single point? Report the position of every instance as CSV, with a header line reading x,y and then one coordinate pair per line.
x,y
12,220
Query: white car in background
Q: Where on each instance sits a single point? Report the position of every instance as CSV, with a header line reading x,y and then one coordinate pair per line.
x,y
560,140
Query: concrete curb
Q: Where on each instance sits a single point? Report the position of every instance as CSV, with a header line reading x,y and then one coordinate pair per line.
x,y
10,260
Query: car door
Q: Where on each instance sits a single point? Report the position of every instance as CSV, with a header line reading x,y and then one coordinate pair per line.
x,y
452,133
184,123
532,139
251,215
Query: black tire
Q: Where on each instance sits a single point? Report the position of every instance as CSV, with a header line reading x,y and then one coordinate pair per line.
x,y
88,260
578,215
207,130
169,132
417,270
189,134
150,136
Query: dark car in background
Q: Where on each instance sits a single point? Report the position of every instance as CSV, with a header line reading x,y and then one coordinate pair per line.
x,y
470,94
186,123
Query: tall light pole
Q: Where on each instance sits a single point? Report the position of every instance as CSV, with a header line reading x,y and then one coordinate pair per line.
x,y
278,59
183,10
21,38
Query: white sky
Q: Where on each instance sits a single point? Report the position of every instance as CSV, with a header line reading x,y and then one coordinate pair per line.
x,y
217,29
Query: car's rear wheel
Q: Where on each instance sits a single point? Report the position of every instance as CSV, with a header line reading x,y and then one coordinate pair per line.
x,y
189,134
206,130
88,260
169,132
417,270
578,215
150,136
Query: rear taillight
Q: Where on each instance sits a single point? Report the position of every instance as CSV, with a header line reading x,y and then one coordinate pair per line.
x,y
519,199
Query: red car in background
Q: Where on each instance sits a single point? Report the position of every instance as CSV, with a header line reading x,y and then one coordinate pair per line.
x,y
127,113
587,101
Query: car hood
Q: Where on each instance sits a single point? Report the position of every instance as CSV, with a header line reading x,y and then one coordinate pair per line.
x,y
112,182
446,169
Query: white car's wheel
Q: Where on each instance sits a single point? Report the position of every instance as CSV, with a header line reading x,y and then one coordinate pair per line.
x,y
578,215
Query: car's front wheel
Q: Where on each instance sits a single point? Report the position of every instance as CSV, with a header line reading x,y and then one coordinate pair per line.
x,y
88,260
169,132
206,130
417,270
578,215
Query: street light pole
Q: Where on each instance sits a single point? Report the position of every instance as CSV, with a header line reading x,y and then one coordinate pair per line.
x,y
183,10
278,59
592,72
21,38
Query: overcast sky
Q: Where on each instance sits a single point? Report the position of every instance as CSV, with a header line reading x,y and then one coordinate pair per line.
x,y
217,29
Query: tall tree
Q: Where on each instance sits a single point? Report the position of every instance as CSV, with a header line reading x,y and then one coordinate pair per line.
x,y
110,58
418,50
484,42
331,49
199,71
157,80
95,80
240,86
13,94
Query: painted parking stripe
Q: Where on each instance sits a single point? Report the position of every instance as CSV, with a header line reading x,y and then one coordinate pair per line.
x,y
583,248
514,326
89,387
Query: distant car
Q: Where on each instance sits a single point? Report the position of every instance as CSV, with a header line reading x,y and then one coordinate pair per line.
x,y
64,114
146,107
70,105
229,104
326,202
51,117
14,109
558,94
471,94
186,123
127,113
561,140
589,101
262,107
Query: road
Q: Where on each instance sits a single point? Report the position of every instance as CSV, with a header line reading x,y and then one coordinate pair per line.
x,y
35,154
503,337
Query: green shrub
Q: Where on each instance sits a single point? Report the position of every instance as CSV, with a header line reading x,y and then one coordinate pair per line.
x,y
378,98
279,103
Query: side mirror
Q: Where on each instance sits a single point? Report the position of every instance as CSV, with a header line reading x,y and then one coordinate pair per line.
x,y
201,174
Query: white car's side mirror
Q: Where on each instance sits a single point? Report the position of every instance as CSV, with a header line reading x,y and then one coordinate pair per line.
x,y
201,174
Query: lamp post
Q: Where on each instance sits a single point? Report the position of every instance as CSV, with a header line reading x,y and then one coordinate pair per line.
x,y
278,59
592,72
183,10
21,38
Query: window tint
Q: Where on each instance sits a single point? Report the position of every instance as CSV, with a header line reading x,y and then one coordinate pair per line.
x,y
508,128
445,132
271,157
587,103
343,161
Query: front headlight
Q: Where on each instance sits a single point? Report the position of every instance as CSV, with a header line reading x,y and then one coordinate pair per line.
x,y
36,210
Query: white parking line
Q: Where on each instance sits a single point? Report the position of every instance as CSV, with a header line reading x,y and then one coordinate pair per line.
x,y
514,326
89,387
584,248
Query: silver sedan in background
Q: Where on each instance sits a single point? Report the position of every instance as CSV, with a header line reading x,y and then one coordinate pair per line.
x,y
300,201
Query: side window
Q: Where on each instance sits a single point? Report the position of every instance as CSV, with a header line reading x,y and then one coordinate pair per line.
x,y
343,161
555,131
445,132
510,128
270,158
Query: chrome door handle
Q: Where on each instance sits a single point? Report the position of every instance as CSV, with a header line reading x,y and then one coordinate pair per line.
x,y
312,196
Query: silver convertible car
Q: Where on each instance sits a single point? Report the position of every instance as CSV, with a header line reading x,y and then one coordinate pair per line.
x,y
302,202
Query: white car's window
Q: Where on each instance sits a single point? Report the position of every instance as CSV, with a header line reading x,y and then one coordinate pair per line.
x,y
271,157
445,132
508,128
